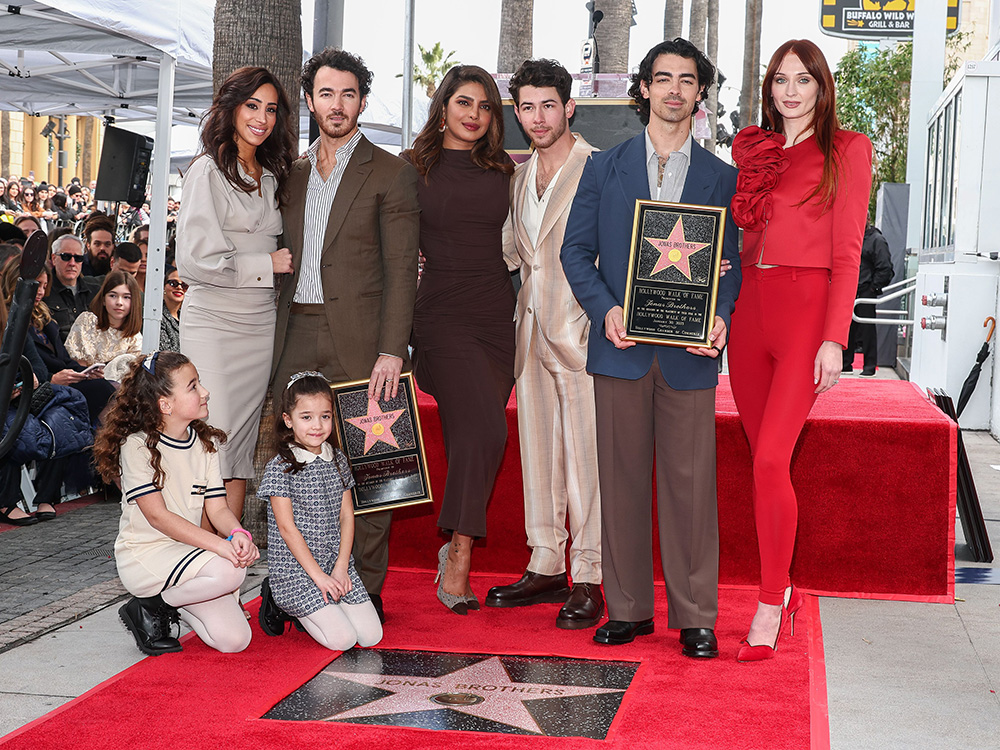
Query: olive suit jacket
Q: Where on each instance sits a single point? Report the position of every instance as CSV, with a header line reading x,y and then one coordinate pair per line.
x,y
369,258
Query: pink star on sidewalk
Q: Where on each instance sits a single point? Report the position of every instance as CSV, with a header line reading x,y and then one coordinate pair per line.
x,y
675,250
376,425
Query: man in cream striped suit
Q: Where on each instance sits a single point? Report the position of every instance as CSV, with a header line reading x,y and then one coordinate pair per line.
x,y
555,395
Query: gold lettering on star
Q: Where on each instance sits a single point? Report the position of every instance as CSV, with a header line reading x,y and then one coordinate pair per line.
x,y
675,250
376,425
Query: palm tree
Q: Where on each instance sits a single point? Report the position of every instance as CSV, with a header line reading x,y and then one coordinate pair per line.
x,y
673,19
515,34
750,91
698,19
612,35
434,63
240,40
712,51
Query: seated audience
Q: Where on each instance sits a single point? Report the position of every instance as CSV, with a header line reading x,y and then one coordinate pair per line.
x,y
173,295
71,292
110,333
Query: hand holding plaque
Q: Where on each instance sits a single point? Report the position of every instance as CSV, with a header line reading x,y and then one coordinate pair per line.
x,y
673,273
382,441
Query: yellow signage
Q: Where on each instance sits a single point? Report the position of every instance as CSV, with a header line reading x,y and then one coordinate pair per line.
x,y
876,19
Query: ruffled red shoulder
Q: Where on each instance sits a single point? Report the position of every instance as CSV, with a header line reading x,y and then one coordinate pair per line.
x,y
760,156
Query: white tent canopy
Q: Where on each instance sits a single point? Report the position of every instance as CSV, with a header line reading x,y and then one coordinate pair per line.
x,y
101,57
108,57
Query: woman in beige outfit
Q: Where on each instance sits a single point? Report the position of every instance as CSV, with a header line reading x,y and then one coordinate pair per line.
x,y
227,251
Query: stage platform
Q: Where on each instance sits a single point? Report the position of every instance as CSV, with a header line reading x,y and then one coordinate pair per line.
x,y
875,473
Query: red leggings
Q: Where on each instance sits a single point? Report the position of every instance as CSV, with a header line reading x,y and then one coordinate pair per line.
x,y
775,333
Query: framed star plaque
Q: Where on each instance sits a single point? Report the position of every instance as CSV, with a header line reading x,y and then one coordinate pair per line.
x,y
383,442
673,273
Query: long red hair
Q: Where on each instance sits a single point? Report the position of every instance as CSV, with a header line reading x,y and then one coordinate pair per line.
x,y
824,122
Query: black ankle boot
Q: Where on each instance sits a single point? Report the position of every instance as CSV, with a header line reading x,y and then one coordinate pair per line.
x,y
271,617
149,622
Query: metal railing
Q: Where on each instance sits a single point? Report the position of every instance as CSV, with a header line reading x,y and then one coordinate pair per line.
x,y
904,288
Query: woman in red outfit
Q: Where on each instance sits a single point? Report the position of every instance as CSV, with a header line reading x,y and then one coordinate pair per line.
x,y
801,199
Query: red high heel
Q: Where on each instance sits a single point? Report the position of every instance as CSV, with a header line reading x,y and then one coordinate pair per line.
x,y
762,652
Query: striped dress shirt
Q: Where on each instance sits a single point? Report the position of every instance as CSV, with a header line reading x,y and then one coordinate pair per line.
x,y
320,195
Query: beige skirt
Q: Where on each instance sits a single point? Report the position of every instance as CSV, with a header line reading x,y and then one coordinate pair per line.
x,y
229,336
147,569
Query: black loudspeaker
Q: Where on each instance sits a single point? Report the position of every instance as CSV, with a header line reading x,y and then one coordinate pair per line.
x,y
124,169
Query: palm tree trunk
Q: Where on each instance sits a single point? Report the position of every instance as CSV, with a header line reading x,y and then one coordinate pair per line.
x,y
697,25
515,34
612,35
713,54
241,39
749,96
673,19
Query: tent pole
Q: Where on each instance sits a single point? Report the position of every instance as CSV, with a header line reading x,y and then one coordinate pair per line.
x,y
153,296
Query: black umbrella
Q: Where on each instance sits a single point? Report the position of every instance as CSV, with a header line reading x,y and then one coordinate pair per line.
x,y
11,359
970,382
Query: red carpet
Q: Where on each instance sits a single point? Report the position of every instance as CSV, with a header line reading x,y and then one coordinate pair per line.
x,y
875,475
202,699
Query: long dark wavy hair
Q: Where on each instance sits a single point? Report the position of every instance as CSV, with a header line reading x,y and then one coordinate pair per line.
x,y
488,152
135,407
310,385
133,321
824,120
218,135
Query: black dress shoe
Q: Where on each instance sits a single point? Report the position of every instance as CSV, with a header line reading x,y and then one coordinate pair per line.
x,y
583,609
617,632
25,521
868,372
149,621
533,588
699,643
271,617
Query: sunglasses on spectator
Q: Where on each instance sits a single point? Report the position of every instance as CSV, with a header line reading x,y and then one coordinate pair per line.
x,y
177,284
67,257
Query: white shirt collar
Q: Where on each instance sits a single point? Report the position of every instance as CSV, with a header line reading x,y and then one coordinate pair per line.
x,y
307,457
651,151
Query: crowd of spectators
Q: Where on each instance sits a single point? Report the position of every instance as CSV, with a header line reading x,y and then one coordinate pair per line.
x,y
86,321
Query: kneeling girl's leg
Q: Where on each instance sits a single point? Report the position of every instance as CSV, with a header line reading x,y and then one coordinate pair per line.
x,y
339,627
209,606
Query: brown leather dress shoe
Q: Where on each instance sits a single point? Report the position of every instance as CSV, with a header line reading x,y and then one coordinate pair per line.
x,y
583,609
533,588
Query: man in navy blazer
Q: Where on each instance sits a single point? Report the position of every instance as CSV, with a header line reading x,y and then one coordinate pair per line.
x,y
648,394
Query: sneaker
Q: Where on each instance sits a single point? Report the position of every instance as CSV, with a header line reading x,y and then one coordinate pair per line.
x,y
868,372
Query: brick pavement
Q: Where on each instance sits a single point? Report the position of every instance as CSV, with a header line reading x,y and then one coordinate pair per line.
x,y
56,572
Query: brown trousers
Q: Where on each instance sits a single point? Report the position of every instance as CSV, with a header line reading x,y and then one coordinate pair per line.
x,y
632,416
309,346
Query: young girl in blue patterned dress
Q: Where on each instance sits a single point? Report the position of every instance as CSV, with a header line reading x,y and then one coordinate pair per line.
x,y
310,525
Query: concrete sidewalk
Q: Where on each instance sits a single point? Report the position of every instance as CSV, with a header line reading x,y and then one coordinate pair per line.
x,y
899,674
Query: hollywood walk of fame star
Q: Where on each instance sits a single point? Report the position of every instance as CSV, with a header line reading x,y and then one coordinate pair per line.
x,y
377,425
484,690
675,250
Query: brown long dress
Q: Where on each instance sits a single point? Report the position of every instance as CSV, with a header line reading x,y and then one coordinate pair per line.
x,y
463,328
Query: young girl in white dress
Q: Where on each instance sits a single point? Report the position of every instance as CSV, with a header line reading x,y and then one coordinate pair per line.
x,y
156,442
310,524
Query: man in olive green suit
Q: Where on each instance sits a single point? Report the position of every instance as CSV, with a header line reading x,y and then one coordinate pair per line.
x,y
351,221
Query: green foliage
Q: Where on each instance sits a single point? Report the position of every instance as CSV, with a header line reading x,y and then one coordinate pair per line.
x,y
873,97
434,63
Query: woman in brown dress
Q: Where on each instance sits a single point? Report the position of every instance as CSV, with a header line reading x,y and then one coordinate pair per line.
x,y
463,322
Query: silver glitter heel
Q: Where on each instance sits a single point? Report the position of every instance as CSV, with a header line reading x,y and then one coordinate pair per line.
x,y
456,604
